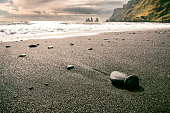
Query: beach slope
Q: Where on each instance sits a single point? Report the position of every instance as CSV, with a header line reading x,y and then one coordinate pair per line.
x,y
41,82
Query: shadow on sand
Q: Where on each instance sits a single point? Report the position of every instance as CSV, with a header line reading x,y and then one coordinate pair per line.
x,y
121,86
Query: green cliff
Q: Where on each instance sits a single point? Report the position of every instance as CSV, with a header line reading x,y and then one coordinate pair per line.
x,y
143,10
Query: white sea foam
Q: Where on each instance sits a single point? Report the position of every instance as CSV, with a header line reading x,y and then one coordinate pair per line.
x,y
56,29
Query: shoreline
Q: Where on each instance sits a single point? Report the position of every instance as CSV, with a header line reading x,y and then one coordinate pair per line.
x,y
86,35
40,81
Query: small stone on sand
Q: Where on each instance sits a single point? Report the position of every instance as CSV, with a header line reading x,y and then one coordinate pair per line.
x,y
22,55
50,47
38,44
131,82
33,45
117,78
8,46
163,43
105,39
90,49
15,96
69,67
71,44
31,88
46,84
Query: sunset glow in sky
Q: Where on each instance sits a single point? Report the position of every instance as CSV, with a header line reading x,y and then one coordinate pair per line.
x,y
57,9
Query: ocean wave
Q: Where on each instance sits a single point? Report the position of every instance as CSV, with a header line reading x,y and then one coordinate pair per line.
x,y
38,29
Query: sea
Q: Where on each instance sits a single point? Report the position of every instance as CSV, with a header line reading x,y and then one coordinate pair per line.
x,y
25,30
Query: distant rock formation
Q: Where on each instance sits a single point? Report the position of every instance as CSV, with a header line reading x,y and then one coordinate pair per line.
x,y
143,10
97,20
91,20
87,20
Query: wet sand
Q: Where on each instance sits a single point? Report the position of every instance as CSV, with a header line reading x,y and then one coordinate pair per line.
x,y
40,82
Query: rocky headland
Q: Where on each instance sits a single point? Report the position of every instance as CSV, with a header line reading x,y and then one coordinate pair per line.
x,y
143,11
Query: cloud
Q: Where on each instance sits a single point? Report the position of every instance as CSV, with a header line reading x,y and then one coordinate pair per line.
x,y
60,7
29,17
2,1
106,3
88,11
81,10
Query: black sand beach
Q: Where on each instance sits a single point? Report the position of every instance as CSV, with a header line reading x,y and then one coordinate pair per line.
x,y
40,81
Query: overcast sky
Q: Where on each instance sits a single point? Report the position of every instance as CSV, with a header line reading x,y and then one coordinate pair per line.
x,y
57,9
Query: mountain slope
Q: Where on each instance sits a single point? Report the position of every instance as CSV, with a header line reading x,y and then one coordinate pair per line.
x,y
144,10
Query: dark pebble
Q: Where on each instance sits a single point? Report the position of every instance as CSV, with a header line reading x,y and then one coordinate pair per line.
x,y
22,55
38,44
90,49
105,39
163,43
46,84
131,82
15,96
33,45
71,44
31,88
123,39
69,67
50,47
8,46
